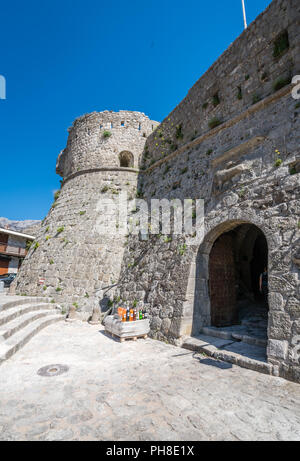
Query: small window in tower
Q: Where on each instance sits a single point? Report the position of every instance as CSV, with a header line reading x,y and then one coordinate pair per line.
x,y
126,159
140,127
101,126
122,123
111,125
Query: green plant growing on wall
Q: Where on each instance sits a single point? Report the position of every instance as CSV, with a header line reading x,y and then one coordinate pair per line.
x,y
106,134
36,245
179,133
293,170
82,213
86,295
297,106
104,189
48,237
216,100
44,287
168,239
214,122
28,244
134,304
281,44
205,105
242,192
184,170
75,305
56,195
60,230
58,289
278,160
51,261
209,151
182,249
240,93
247,77
281,83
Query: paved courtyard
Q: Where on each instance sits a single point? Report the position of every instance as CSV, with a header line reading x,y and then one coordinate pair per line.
x,y
144,390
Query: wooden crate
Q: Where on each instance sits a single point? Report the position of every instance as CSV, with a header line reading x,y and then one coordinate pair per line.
x,y
127,330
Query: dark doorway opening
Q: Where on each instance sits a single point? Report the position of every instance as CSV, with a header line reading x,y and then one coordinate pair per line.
x,y
236,261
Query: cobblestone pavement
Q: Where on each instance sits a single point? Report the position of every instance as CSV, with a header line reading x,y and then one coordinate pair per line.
x,y
144,390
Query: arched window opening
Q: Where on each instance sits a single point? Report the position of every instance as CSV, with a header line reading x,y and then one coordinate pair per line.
x,y
126,159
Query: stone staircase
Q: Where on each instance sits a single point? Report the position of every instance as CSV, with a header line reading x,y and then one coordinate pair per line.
x,y
240,345
21,318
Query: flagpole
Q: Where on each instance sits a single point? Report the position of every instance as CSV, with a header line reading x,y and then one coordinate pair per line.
x,y
244,13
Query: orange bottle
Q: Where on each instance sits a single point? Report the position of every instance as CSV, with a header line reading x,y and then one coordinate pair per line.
x,y
131,315
123,315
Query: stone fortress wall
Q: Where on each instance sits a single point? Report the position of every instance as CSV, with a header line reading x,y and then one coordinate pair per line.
x,y
234,142
69,256
233,165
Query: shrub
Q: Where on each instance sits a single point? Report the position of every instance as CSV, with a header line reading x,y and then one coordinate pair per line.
x,y
281,44
214,122
106,134
278,162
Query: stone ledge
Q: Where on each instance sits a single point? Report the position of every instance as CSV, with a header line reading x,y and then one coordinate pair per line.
x,y
97,170
251,110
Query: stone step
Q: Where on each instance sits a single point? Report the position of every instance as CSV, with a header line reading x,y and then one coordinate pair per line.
x,y
14,301
12,327
18,340
234,333
216,332
14,312
237,353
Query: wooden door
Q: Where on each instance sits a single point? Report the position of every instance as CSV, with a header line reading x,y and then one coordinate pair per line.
x,y
4,266
224,310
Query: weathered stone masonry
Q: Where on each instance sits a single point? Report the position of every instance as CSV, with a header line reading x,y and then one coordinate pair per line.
x,y
69,254
233,166
234,142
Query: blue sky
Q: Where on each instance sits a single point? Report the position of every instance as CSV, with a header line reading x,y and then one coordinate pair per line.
x,y
64,58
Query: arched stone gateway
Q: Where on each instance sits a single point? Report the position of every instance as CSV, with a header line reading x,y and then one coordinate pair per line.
x,y
230,262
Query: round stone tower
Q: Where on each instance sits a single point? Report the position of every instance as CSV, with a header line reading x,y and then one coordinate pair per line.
x,y
69,261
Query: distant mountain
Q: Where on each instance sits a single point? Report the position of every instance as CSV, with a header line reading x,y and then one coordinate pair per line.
x,y
29,226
